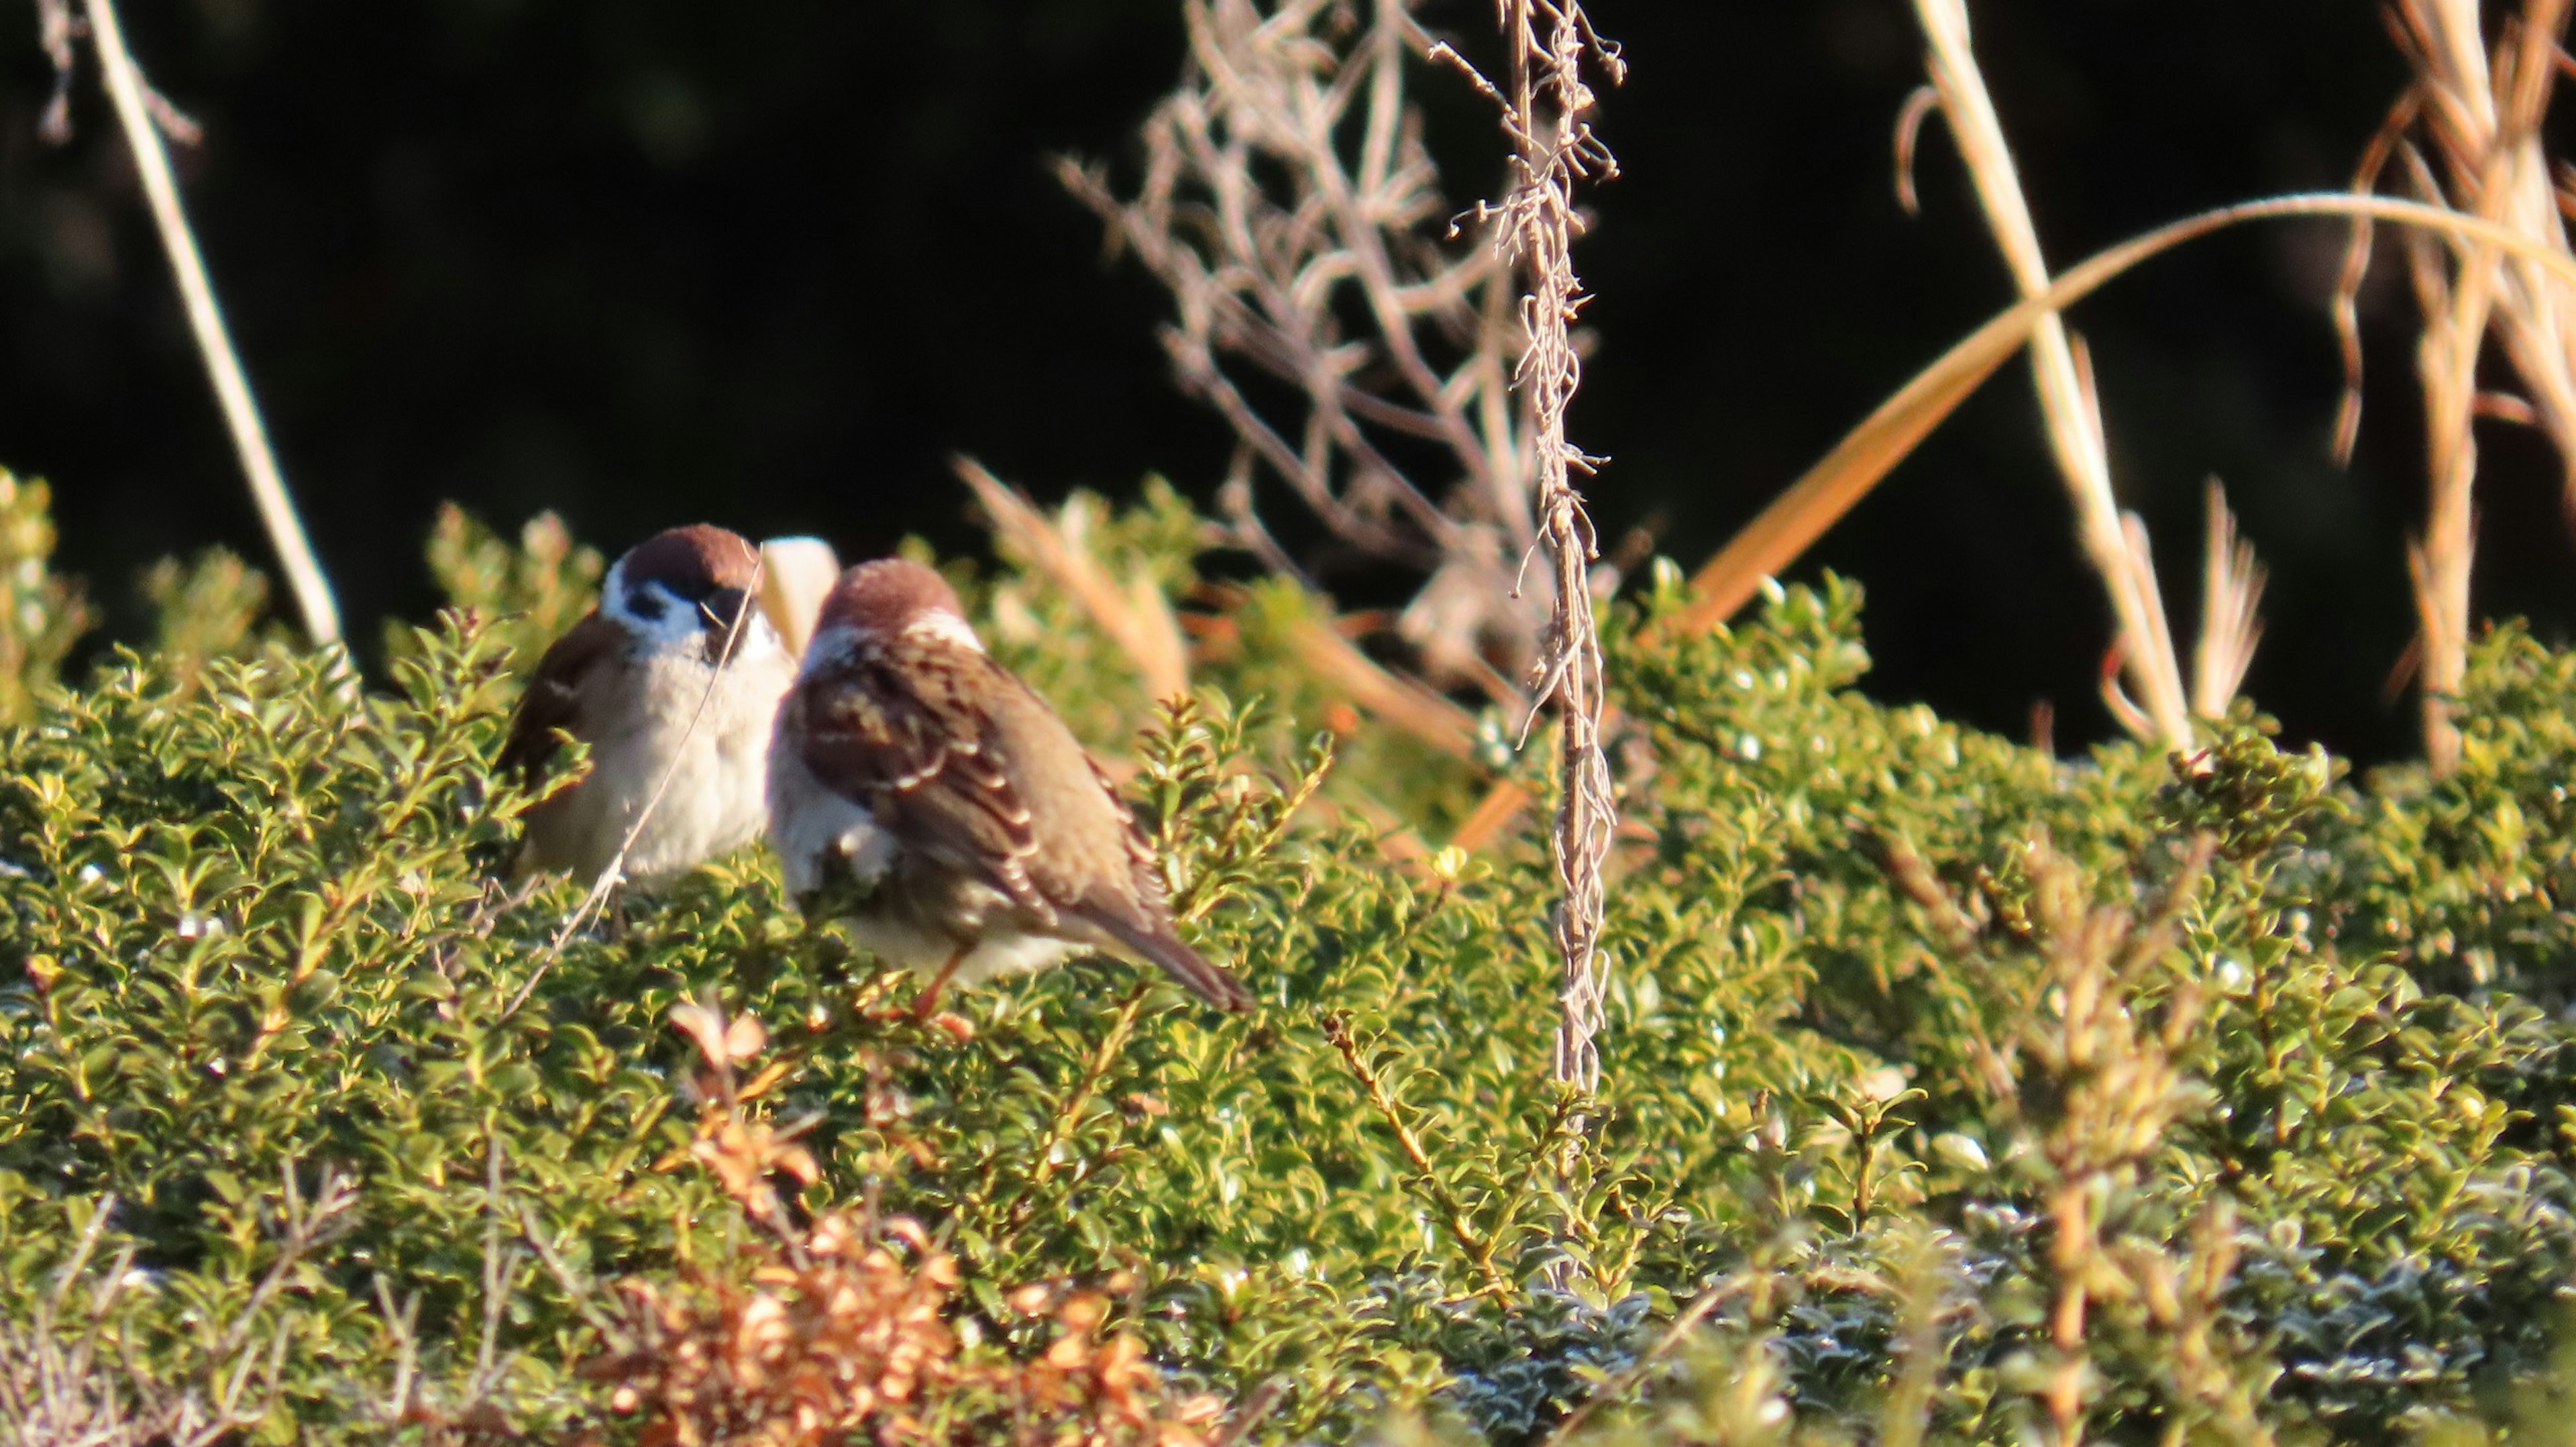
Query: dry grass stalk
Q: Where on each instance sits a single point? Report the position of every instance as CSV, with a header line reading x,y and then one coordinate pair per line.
x,y
2230,626
1135,615
2481,118
1547,106
1291,210
144,115
1409,706
2068,399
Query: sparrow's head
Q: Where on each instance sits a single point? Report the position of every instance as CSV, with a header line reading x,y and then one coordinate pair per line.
x,y
887,599
688,585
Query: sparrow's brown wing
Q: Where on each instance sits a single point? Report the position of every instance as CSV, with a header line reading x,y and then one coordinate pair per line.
x,y
553,699
905,728
964,763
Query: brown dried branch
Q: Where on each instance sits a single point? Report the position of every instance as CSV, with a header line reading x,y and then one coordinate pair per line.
x,y
839,1329
1290,209
1400,701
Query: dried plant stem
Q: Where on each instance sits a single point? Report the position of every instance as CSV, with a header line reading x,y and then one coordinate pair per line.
x,y
2481,119
1135,615
2231,591
2068,400
134,111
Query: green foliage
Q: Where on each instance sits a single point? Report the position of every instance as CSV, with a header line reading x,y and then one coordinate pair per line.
x,y
41,616
1951,1091
526,595
207,610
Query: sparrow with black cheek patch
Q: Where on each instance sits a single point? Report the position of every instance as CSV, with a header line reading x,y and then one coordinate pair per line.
x,y
961,829
676,674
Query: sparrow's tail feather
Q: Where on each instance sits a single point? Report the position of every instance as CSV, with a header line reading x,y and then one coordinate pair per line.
x,y
1156,942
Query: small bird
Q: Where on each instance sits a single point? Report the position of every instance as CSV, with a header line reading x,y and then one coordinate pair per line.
x,y
938,804
676,674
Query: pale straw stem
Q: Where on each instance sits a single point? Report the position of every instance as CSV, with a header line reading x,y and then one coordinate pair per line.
x,y
223,366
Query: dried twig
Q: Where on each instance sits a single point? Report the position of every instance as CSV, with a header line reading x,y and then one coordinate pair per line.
x,y
144,117
1291,210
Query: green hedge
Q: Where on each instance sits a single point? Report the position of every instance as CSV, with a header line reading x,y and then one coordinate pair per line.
x,y
1951,1090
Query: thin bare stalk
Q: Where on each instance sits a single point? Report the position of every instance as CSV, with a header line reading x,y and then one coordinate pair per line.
x,y
1135,615
135,112
1290,208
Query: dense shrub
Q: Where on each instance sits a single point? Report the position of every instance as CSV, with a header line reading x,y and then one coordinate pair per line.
x,y
1951,1089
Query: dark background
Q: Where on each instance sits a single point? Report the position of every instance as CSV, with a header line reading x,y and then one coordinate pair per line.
x,y
644,261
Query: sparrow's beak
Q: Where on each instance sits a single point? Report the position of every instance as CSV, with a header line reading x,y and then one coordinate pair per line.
x,y
721,612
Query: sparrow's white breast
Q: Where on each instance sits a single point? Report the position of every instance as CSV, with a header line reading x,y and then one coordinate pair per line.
x,y
644,723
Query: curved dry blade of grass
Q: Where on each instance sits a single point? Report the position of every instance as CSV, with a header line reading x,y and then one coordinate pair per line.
x,y
1136,617
1783,531
798,573
1412,708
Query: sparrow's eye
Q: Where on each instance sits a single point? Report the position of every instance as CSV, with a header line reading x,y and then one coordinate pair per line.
x,y
644,603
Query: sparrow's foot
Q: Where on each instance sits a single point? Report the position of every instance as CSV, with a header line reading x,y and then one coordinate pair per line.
x,y
928,1003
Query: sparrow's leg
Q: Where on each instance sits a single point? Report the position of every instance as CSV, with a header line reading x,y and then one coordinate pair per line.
x,y
928,1002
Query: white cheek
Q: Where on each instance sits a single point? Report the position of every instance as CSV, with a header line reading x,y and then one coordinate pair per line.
x,y
673,629
947,628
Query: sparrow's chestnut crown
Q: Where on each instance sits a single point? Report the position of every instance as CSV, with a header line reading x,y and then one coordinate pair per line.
x,y
692,561
882,598
680,583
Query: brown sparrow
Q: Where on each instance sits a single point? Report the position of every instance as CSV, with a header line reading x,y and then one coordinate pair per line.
x,y
675,674
942,808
